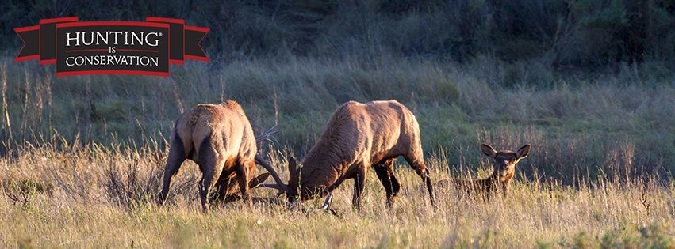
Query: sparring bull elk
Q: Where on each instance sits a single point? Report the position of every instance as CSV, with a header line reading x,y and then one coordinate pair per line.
x,y
357,137
219,138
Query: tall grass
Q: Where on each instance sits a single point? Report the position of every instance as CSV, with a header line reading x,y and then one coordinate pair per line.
x,y
83,156
104,197
577,126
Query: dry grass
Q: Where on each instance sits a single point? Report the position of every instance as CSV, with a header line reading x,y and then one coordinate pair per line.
x,y
95,197
606,143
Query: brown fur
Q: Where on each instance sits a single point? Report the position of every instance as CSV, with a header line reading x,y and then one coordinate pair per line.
x,y
504,164
357,137
219,138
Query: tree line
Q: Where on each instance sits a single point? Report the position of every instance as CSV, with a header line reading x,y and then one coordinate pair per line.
x,y
564,34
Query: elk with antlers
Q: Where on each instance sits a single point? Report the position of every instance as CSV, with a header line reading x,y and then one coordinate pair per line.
x,y
357,137
219,138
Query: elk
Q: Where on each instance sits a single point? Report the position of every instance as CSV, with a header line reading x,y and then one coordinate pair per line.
x,y
219,138
504,166
357,137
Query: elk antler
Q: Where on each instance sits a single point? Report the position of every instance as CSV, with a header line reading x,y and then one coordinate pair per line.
x,y
280,185
265,136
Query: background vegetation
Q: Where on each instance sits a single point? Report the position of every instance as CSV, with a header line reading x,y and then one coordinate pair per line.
x,y
611,125
589,83
563,34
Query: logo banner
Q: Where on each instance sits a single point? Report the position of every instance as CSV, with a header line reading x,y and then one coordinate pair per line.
x,y
111,47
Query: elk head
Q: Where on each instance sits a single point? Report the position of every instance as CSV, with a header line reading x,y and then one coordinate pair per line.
x,y
504,162
292,189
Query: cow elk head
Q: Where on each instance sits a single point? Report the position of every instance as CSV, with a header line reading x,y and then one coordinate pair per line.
x,y
504,162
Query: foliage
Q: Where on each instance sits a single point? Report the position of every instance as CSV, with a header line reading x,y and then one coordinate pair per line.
x,y
579,128
580,34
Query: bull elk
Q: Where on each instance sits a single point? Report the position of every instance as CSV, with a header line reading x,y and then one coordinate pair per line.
x,y
357,137
504,165
219,138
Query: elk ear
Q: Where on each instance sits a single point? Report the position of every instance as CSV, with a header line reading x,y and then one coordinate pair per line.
x,y
487,150
523,151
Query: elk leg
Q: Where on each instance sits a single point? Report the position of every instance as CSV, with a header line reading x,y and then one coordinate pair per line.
x,y
204,186
505,188
430,188
383,175
396,187
242,176
423,172
223,185
359,186
207,164
173,163
224,181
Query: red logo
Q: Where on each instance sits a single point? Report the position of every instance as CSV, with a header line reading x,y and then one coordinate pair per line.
x,y
111,47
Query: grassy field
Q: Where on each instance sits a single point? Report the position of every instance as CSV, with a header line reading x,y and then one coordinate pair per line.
x,y
580,125
96,197
83,156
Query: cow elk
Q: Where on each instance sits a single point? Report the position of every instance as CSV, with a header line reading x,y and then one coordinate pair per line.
x,y
357,137
504,165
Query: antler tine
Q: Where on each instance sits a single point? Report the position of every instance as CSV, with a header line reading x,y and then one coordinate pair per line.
x,y
265,136
327,202
273,186
281,185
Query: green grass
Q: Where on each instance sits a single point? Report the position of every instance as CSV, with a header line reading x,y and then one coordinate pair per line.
x,y
576,125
